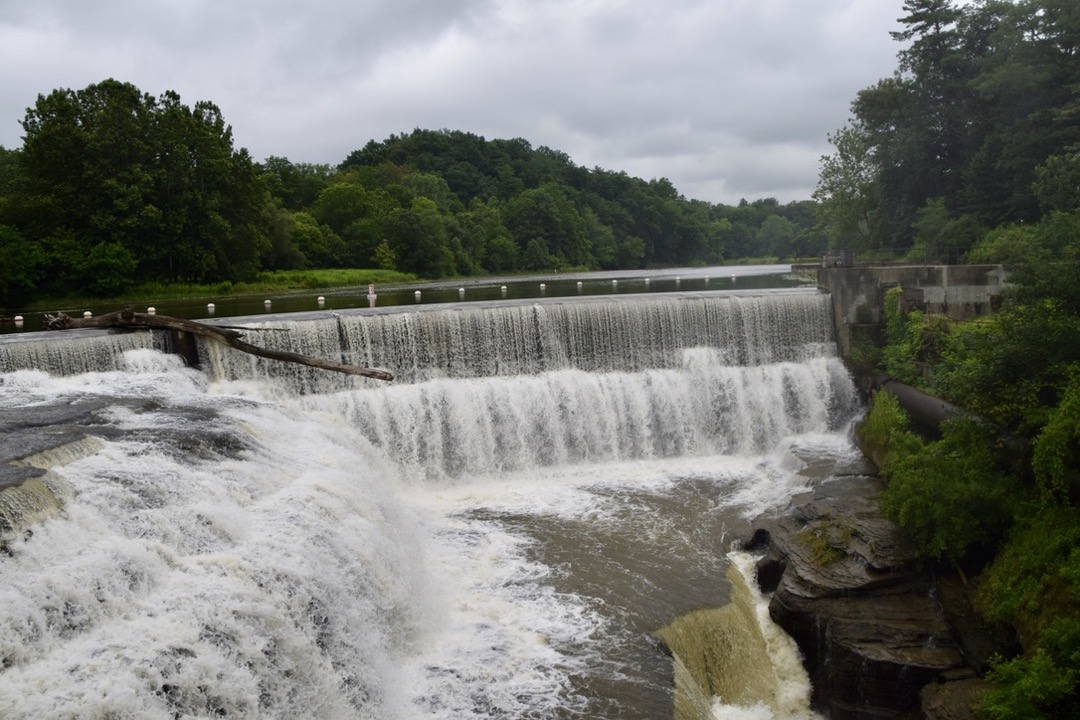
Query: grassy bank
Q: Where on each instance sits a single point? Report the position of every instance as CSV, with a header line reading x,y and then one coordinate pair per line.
x,y
278,281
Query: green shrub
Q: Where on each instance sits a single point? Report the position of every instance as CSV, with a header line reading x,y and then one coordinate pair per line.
x,y
915,340
864,354
949,495
1034,585
1035,579
1036,687
1057,447
885,433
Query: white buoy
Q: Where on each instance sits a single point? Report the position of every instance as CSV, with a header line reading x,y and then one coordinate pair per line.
x,y
461,292
267,304
151,310
210,308
543,288
88,314
678,281
579,286
18,321
321,300
614,284
646,282
417,295
503,290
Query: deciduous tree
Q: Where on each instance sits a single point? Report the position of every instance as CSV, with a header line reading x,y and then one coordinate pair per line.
x,y
114,174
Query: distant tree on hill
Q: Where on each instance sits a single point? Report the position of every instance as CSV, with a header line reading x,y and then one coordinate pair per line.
x,y
117,185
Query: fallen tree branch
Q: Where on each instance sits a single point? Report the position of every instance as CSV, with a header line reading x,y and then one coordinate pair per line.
x,y
128,318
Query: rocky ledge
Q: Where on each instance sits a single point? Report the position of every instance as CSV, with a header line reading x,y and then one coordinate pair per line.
x,y
33,440
38,440
882,636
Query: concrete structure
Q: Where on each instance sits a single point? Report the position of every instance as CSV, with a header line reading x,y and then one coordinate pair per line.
x,y
959,291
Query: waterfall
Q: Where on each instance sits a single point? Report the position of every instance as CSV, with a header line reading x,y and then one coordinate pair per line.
x,y
735,656
501,532
506,387
593,335
449,428
73,351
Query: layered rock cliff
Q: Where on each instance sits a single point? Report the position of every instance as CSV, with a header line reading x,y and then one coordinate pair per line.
x,y
882,635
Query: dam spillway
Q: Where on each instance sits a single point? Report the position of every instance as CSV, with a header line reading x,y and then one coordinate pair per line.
x,y
499,533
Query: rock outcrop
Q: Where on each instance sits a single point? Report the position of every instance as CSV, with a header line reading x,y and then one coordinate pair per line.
x,y
33,440
866,615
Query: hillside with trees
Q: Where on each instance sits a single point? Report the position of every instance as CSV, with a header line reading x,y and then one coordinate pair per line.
x,y
114,188
973,148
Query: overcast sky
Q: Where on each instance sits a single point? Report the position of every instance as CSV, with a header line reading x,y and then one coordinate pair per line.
x,y
728,99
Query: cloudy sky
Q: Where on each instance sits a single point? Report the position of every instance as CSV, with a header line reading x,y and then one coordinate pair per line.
x,y
729,99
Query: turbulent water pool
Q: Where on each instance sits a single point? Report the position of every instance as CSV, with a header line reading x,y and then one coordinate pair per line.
x,y
502,533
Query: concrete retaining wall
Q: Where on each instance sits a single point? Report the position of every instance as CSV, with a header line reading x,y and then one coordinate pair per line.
x,y
959,291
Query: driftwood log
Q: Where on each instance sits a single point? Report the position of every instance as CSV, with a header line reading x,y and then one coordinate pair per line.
x,y
128,318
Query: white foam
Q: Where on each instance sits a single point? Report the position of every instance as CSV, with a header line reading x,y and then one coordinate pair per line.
x,y
283,580
238,547
444,429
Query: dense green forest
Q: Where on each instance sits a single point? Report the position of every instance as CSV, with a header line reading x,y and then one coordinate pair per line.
x,y
974,145
976,132
114,188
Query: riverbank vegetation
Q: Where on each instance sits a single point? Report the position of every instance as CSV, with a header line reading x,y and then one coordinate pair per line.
x,y
114,189
996,495
973,147
265,283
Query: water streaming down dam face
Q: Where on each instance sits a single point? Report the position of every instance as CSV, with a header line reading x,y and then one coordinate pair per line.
x,y
500,533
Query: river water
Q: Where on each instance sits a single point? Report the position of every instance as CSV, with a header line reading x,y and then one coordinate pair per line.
x,y
503,532
462,290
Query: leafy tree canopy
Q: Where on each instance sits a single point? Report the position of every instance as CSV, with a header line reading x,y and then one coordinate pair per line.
x,y
114,186
981,118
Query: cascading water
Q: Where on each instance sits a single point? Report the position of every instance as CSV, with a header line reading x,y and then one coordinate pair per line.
x,y
78,352
500,533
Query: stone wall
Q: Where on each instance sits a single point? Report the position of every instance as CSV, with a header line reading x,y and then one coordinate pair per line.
x,y
959,291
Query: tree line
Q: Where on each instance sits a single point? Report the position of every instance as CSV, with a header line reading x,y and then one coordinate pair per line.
x,y
113,188
977,131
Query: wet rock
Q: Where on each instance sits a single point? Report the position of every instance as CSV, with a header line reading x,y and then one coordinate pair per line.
x,y
37,438
851,593
12,476
32,439
28,431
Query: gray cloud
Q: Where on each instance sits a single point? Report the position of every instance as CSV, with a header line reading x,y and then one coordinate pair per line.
x,y
727,98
